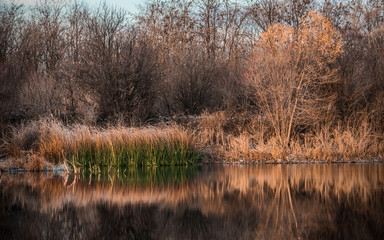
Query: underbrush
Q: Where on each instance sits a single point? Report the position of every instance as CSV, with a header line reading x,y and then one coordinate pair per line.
x,y
251,139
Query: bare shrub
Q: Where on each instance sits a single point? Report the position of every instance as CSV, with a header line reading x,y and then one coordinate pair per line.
x,y
291,76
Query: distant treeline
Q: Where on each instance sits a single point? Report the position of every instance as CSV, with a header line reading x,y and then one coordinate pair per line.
x,y
300,64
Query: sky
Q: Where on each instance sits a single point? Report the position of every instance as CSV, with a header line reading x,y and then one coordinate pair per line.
x,y
130,5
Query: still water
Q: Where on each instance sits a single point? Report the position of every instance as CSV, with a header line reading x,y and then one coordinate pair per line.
x,y
326,201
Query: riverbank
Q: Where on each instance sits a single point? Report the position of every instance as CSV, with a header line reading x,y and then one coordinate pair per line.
x,y
209,138
7,165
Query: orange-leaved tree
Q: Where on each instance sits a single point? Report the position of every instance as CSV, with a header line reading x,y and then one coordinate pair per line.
x,y
292,74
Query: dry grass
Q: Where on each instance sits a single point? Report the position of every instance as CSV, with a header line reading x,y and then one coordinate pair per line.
x,y
84,146
352,142
227,137
253,140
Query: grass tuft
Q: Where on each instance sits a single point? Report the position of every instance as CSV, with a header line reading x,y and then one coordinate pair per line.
x,y
99,148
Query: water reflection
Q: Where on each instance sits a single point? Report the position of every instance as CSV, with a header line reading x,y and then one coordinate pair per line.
x,y
258,202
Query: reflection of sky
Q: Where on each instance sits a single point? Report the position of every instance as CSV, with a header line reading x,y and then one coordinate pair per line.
x,y
130,5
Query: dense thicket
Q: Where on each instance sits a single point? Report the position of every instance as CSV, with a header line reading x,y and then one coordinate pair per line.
x,y
80,63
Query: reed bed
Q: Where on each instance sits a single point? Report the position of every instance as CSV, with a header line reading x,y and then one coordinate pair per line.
x,y
98,148
219,136
251,139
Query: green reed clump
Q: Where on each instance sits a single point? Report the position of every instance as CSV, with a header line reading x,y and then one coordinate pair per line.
x,y
113,147
121,148
160,153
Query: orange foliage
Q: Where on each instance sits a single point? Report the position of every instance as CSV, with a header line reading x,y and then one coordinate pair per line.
x,y
315,33
277,36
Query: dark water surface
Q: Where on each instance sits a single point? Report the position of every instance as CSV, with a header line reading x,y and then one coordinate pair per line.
x,y
326,201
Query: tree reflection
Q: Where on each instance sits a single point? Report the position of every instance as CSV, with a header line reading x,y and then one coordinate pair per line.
x,y
259,202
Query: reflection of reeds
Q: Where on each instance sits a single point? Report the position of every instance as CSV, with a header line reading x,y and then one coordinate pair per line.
x,y
115,147
144,176
267,201
208,191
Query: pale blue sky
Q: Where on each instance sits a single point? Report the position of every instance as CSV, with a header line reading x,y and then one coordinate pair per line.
x,y
130,5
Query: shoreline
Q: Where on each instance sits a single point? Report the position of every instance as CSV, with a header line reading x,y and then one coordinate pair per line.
x,y
61,167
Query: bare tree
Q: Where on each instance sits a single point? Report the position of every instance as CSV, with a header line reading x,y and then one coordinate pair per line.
x,y
48,18
11,72
11,18
71,70
295,10
118,64
264,13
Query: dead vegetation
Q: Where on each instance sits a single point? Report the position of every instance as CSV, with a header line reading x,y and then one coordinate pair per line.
x,y
254,141
221,136
42,143
256,85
